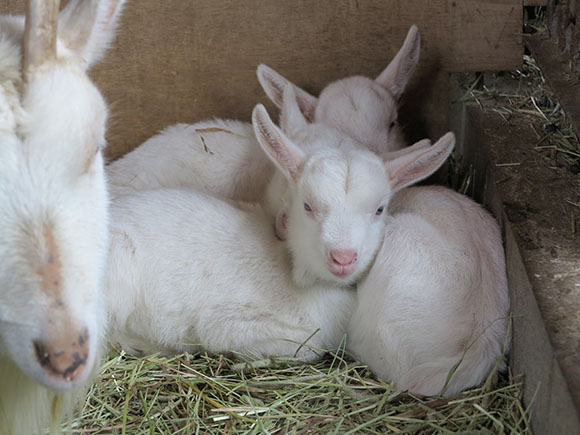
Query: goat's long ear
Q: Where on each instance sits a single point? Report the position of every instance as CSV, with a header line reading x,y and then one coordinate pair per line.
x,y
40,33
397,74
392,155
87,27
274,85
419,164
291,117
287,156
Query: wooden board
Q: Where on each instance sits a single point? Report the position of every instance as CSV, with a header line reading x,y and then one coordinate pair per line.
x,y
183,61
535,2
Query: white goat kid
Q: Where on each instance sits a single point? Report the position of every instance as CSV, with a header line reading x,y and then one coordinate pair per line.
x,y
53,207
454,309
366,110
187,269
363,108
437,294
223,157
435,301
313,137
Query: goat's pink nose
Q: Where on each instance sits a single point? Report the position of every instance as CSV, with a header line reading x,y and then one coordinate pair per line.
x,y
66,356
344,257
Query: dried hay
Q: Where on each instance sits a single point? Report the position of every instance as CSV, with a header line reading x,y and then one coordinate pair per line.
x,y
213,394
535,101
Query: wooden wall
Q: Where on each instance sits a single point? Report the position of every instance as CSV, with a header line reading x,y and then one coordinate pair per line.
x,y
563,20
183,61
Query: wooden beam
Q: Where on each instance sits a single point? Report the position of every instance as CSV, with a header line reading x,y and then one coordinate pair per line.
x,y
535,2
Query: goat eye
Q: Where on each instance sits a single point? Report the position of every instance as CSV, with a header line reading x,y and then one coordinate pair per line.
x,y
307,207
392,125
380,210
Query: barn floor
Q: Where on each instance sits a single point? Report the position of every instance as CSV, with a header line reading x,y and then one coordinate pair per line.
x,y
539,201
536,158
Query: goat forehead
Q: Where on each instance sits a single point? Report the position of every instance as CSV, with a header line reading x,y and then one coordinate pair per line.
x,y
36,194
356,177
65,116
317,136
355,95
327,171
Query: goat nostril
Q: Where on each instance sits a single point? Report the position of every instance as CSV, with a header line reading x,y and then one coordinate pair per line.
x,y
41,354
344,257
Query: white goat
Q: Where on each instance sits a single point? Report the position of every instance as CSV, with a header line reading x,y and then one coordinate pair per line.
x,y
187,269
363,108
437,295
311,137
223,157
53,208
435,300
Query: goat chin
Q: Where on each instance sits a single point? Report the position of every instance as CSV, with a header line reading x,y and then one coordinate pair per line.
x,y
26,406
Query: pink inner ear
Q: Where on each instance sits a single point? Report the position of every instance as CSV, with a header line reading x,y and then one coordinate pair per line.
x,y
306,105
421,167
278,87
281,226
288,157
286,160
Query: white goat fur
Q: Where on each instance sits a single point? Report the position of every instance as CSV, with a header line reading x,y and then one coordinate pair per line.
x,y
230,163
392,306
437,292
53,217
223,281
221,157
436,295
362,108
440,271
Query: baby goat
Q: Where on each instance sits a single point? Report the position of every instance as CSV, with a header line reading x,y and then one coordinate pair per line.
x,y
53,207
435,302
366,110
187,269
223,157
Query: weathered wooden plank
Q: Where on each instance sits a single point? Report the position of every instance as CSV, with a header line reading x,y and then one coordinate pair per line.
x,y
188,60
535,2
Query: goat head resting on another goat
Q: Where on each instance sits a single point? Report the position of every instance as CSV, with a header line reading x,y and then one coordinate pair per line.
x,y
177,281
223,157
